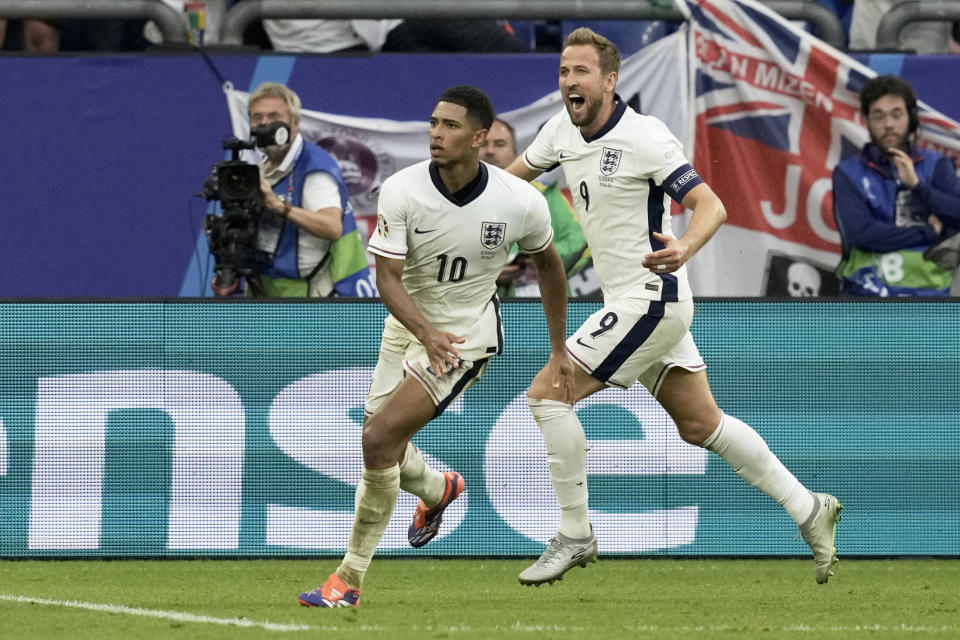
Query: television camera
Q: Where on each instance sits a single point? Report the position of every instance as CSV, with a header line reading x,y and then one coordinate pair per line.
x,y
232,235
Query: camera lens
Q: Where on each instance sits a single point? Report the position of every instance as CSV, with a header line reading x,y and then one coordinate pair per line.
x,y
239,182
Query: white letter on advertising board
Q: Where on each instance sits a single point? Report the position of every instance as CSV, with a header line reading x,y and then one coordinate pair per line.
x,y
310,421
69,446
518,479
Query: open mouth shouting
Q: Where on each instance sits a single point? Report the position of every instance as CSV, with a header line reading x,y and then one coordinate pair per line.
x,y
576,103
582,111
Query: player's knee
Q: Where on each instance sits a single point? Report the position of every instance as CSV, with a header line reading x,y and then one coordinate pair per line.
x,y
542,389
375,440
695,429
370,440
691,435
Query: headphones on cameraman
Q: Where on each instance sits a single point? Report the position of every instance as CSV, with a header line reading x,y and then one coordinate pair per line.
x,y
266,135
910,101
914,123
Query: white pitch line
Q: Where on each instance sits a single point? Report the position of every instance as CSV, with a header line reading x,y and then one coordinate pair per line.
x,y
155,613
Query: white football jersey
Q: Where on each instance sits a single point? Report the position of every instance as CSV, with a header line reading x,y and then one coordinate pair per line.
x,y
455,245
621,179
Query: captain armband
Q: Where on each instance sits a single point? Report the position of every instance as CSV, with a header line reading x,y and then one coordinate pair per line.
x,y
681,181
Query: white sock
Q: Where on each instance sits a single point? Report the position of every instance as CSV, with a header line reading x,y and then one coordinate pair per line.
x,y
746,452
566,446
375,501
417,478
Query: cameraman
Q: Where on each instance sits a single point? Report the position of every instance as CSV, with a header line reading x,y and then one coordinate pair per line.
x,y
308,226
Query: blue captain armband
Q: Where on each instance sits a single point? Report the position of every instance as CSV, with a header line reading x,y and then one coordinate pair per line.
x,y
679,183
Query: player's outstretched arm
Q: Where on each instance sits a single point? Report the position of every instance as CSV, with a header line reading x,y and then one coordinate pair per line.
x,y
440,345
708,215
520,169
552,280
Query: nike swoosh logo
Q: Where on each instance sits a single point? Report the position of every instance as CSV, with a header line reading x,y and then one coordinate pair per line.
x,y
416,230
583,344
564,157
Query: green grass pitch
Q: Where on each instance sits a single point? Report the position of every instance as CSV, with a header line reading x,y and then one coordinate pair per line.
x,y
480,598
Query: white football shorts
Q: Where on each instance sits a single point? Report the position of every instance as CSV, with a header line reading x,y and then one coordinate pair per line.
x,y
636,340
401,355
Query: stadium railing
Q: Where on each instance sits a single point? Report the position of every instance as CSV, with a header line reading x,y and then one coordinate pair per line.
x,y
171,23
898,16
242,14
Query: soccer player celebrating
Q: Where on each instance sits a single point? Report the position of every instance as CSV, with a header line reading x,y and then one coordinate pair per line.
x,y
620,167
444,229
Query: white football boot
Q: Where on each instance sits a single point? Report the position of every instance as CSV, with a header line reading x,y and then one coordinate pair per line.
x,y
561,555
819,532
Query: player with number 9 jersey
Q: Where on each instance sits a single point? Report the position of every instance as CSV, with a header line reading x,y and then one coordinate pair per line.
x,y
621,179
621,167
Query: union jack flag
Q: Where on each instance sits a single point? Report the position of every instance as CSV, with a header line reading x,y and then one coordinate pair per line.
x,y
775,110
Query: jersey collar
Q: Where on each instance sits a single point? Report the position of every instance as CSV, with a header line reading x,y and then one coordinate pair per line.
x,y
463,196
618,111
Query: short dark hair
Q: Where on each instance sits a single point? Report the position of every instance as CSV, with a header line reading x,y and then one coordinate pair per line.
x,y
887,85
477,103
875,88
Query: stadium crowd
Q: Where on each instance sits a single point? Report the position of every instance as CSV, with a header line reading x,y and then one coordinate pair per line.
x,y
859,19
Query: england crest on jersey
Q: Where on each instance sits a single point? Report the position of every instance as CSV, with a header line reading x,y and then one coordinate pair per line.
x,y
492,234
610,161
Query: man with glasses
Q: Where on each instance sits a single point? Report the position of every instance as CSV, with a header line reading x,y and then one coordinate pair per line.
x,y
894,201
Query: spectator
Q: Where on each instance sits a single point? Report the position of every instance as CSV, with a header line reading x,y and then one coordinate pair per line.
x,y
345,36
477,36
519,276
894,200
203,21
41,36
32,36
308,229
326,36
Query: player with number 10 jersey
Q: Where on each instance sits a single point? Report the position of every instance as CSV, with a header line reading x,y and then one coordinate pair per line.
x,y
455,244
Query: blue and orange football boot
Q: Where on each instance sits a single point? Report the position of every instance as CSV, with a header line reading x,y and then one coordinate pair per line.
x,y
332,593
426,520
